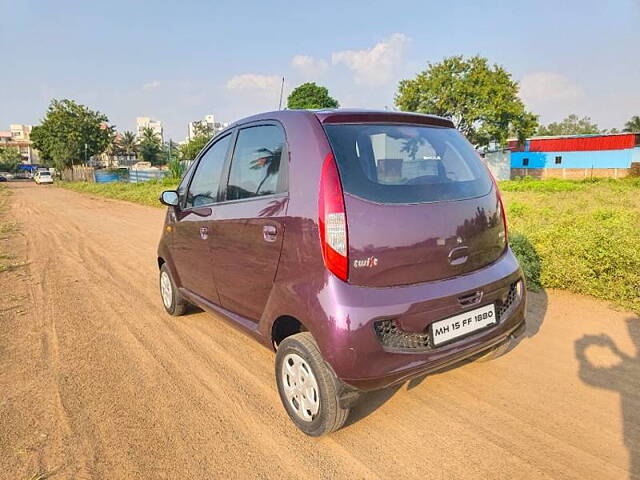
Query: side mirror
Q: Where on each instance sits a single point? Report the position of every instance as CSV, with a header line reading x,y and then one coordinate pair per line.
x,y
170,198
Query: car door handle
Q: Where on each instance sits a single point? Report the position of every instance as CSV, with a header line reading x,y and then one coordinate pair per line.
x,y
204,232
269,233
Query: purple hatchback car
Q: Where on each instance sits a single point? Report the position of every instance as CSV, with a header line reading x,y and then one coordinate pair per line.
x,y
366,248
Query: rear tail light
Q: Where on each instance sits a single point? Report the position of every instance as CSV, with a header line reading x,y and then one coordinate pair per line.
x,y
333,221
502,211
504,214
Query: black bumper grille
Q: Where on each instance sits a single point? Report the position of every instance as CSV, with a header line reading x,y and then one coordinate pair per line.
x,y
393,338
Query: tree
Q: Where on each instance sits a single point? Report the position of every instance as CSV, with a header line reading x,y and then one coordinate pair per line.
x,y
71,132
309,95
171,151
633,125
202,134
190,150
203,129
10,158
150,147
481,100
128,142
572,125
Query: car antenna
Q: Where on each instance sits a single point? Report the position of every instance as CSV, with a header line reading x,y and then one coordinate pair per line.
x,y
281,90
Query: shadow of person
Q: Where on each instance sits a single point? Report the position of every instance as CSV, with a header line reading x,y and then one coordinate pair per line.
x,y
622,377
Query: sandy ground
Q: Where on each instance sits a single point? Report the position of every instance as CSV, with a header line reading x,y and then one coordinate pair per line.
x,y
96,381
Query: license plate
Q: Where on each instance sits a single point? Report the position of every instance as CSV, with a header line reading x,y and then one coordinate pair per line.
x,y
444,331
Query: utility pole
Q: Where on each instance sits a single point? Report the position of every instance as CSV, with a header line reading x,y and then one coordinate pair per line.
x,y
281,90
85,154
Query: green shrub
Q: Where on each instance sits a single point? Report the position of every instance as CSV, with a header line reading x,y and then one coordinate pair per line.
x,y
516,209
528,258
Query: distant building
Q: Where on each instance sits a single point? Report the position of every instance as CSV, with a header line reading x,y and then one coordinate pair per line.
x,y
207,122
19,136
575,156
146,122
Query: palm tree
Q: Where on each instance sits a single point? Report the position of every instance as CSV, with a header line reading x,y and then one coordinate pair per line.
x,y
128,142
114,148
633,125
149,146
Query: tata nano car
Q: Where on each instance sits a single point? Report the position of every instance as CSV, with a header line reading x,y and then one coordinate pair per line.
x,y
365,248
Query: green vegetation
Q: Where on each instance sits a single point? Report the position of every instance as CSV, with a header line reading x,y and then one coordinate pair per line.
x,y
582,236
71,133
633,125
150,147
481,99
9,159
572,125
145,193
309,95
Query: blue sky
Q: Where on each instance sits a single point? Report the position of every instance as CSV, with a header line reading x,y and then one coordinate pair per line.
x,y
177,61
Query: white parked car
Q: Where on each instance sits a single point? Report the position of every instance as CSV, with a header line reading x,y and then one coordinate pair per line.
x,y
42,176
7,175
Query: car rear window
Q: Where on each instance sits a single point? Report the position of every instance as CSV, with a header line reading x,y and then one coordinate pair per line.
x,y
407,163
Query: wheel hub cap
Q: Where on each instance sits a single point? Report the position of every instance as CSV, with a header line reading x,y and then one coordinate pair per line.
x,y
165,289
300,387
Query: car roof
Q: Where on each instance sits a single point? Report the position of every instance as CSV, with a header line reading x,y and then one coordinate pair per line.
x,y
346,115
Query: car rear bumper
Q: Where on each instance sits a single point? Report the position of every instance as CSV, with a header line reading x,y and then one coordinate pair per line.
x,y
356,353
512,328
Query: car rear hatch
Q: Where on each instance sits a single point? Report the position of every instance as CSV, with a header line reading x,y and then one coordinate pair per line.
x,y
420,205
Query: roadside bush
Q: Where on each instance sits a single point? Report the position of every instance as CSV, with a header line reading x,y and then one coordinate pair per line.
x,y
528,258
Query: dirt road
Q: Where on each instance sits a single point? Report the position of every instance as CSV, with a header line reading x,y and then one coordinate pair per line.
x,y
96,381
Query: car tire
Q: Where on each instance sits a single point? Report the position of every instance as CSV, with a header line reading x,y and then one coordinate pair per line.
x,y
308,388
172,301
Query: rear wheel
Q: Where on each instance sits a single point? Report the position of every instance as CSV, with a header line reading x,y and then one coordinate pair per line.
x,y
307,387
173,302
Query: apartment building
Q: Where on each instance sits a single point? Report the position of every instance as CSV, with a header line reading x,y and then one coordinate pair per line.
x,y
19,136
146,122
208,122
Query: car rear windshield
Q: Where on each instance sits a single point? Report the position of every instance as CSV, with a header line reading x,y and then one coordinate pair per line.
x,y
407,163
45,174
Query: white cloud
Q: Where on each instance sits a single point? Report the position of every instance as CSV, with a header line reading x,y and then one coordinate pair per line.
x,y
308,66
374,66
544,87
151,85
264,86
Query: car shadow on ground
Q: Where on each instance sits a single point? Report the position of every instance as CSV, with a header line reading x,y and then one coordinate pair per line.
x,y
616,379
536,310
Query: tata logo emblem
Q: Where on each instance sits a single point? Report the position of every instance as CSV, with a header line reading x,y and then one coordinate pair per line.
x,y
366,262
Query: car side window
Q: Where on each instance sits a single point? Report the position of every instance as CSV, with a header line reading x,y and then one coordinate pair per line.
x,y
255,166
203,189
184,183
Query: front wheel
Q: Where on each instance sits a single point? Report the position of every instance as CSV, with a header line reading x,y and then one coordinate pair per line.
x,y
307,386
173,302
